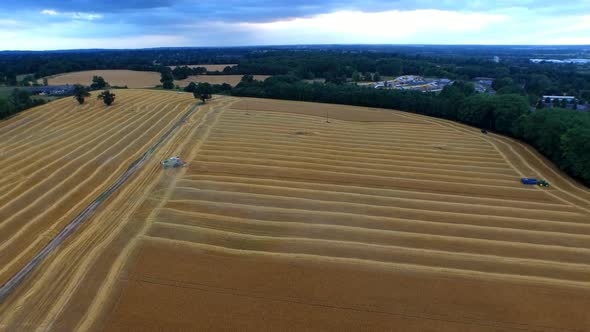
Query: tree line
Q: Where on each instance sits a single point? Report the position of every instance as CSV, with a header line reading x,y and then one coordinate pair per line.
x,y
513,75
19,100
183,72
42,64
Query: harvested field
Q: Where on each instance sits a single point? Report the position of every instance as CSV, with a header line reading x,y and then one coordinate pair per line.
x,y
56,158
209,67
232,80
129,78
376,220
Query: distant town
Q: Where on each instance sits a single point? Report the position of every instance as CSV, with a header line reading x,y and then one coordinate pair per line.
x,y
480,84
564,61
424,84
414,82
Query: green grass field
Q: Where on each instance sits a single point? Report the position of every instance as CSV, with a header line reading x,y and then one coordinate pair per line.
x,y
5,91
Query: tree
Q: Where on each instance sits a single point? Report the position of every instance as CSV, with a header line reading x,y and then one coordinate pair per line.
x,y
502,83
180,73
11,79
576,150
454,94
335,79
203,91
507,110
107,97
45,82
478,110
357,77
538,84
27,80
98,83
6,108
17,101
225,87
167,79
200,71
376,77
21,99
499,112
191,87
563,103
80,92
168,85
390,67
247,79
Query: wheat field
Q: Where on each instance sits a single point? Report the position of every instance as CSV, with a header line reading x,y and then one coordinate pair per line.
x,y
141,79
115,77
294,216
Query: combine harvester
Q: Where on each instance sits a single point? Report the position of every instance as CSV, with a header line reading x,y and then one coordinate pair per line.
x,y
173,162
533,181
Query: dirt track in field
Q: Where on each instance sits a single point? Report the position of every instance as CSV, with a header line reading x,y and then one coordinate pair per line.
x,y
376,220
131,79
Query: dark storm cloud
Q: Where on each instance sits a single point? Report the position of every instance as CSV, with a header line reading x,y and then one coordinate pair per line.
x,y
54,24
264,10
106,6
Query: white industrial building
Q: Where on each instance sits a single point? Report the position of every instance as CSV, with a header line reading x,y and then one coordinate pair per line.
x,y
559,98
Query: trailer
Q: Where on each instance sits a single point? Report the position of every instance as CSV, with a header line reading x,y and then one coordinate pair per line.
x,y
534,181
529,181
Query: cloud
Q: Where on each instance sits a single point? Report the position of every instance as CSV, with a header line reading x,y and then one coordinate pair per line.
x,y
56,43
49,12
72,15
85,23
8,23
85,16
266,10
105,6
380,27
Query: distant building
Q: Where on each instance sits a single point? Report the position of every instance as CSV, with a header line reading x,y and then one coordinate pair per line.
x,y
415,83
565,61
558,101
559,98
484,80
496,59
484,85
53,90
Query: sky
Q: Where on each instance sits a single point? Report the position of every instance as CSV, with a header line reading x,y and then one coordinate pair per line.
x,y
79,24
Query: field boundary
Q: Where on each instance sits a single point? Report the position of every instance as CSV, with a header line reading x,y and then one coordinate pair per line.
x,y
12,283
